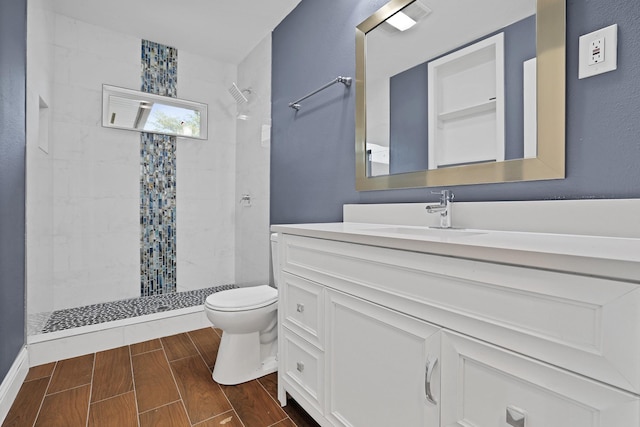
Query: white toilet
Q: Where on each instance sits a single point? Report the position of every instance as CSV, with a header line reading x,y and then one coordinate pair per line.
x,y
248,319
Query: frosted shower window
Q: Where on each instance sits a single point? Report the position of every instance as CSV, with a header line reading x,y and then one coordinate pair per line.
x,y
145,112
175,120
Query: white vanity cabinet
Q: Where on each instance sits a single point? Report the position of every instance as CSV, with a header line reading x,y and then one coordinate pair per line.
x,y
374,336
381,366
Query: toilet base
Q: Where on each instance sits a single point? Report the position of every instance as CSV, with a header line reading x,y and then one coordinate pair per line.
x,y
238,359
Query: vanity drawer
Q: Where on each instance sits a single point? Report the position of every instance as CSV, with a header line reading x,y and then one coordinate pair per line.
x,y
303,366
302,307
585,324
480,383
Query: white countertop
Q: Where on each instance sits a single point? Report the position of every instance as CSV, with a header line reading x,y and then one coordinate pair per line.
x,y
612,257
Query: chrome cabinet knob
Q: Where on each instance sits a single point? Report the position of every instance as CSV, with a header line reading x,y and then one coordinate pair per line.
x,y
300,308
300,366
516,416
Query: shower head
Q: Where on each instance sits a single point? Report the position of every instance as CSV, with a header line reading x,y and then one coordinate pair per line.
x,y
239,94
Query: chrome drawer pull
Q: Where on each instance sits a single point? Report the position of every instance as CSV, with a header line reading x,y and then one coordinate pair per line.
x,y
515,416
300,308
300,366
431,364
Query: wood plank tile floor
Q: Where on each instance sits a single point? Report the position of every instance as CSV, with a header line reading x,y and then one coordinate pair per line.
x,y
162,382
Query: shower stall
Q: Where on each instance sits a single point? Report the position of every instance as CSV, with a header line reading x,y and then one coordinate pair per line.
x,y
84,218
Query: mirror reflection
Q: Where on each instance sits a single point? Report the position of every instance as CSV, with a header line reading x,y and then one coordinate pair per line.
x,y
145,112
451,84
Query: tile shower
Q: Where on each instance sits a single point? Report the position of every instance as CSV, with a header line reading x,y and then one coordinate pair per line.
x,y
96,256
158,261
84,200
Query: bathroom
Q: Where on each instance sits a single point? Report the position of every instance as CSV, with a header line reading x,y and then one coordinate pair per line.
x,y
88,191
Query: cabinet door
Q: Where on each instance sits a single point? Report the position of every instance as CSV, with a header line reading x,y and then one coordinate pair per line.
x,y
487,386
382,366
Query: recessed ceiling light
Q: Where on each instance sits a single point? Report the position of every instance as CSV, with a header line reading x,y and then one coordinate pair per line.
x,y
401,21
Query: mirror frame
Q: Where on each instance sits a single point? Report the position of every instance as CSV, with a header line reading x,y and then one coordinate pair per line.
x,y
551,74
108,90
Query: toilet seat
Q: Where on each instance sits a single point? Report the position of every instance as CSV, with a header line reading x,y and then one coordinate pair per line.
x,y
242,299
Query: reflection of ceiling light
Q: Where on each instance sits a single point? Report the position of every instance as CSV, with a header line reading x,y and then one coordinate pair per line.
x,y
417,10
401,21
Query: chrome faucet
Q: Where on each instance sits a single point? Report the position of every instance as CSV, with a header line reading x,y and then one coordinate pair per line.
x,y
444,208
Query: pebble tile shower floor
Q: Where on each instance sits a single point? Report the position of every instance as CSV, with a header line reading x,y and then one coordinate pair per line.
x,y
162,382
124,309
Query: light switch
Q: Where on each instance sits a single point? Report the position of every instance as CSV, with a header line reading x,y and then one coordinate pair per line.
x,y
598,52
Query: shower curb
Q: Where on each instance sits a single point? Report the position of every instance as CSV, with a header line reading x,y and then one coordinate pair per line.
x,y
46,348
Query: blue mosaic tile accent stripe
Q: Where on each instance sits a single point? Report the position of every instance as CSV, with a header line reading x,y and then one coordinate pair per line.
x,y
158,180
159,69
158,214
124,309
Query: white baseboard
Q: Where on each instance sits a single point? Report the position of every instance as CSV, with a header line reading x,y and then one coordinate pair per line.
x,y
12,382
46,348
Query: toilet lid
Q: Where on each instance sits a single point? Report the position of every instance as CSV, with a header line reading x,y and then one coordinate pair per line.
x,y
242,298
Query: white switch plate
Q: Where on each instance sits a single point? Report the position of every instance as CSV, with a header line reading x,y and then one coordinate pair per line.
x,y
591,64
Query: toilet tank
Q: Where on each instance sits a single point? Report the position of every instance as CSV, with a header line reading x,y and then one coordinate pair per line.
x,y
275,265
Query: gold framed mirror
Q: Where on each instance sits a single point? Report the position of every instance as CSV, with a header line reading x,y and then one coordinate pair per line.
x,y
548,108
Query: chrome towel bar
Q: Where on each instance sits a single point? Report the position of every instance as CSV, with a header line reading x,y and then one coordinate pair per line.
x,y
344,80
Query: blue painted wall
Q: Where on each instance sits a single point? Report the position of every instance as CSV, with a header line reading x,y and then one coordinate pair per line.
x,y
312,151
13,39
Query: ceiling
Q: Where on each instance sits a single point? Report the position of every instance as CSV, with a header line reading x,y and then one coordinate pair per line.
x,y
226,30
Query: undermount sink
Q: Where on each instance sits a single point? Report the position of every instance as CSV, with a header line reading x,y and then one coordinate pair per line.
x,y
429,231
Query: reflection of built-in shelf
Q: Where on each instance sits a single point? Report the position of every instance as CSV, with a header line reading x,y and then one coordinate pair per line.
x,y
472,78
468,111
